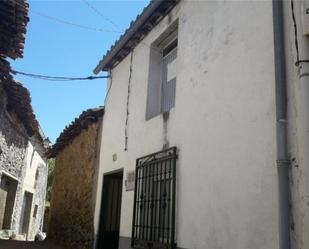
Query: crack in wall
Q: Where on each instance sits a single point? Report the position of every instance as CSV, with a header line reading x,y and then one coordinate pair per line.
x,y
127,107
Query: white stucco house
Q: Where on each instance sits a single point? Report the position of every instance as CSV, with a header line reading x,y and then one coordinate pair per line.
x,y
205,134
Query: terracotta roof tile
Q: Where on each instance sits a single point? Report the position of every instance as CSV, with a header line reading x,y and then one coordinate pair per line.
x,y
71,131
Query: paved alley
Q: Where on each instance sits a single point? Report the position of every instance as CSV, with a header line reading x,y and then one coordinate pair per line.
x,y
10,244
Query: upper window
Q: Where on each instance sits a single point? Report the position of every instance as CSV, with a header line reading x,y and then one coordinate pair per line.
x,y
162,73
169,77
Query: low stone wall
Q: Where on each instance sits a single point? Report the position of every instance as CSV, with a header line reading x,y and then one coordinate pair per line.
x,y
72,206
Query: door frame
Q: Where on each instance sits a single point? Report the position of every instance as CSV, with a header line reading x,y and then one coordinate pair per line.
x,y
12,180
101,228
26,213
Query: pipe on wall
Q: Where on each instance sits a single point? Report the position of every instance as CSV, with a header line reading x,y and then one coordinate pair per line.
x,y
281,126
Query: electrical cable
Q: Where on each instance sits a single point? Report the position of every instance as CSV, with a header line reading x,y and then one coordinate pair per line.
x,y
301,61
59,20
298,61
109,88
56,19
295,31
82,27
128,102
58,78
75,24
100,14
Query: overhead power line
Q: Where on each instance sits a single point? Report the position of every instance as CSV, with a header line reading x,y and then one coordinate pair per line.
x,y
59,20
56,19
100,14
58,78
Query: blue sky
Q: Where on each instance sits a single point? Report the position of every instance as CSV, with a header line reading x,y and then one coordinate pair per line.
x,y
58,49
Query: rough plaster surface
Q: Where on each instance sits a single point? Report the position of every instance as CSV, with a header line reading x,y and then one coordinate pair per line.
x,y
223,124
12,157
39,200
35,182
298,129
71,212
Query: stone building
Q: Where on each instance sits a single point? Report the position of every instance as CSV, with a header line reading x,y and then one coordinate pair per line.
x,y
14,19
74,184
207,110
23,170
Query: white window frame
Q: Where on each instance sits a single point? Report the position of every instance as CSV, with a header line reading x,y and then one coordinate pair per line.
x,y
155,91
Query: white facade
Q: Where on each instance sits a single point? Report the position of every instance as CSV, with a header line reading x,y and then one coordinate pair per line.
x,y
298,122
35,183
223,124
34,160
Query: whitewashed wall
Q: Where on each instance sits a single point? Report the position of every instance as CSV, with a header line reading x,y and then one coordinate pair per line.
x,y
35,163
298,120
223,124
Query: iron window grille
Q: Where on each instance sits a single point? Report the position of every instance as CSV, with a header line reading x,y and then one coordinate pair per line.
x,y
153,223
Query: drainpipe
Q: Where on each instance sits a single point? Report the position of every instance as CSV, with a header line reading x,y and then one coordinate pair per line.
x,y
281,126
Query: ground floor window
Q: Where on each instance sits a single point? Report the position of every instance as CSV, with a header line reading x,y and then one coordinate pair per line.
x,y
154,200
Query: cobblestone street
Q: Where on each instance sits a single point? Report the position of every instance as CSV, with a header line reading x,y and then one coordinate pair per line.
x,y
10,244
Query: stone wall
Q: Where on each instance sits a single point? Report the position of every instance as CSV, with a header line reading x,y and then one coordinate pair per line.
x,y
72,206
13,147
12,144
14,150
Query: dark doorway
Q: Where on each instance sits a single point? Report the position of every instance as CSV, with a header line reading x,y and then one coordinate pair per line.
x,y
110,211
8,188
26,213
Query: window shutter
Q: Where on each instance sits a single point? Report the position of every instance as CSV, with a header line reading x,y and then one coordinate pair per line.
x,y
168,81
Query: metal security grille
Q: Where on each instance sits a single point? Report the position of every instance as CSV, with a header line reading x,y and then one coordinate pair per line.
x,y
154,201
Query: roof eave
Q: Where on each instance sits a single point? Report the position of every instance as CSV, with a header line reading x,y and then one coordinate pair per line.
x,y
74,129
102,66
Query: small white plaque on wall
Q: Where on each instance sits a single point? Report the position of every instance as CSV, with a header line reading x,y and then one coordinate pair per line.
x,y
130,180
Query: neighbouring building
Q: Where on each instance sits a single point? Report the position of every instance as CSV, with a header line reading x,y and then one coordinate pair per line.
x,y
205,133
23,170
14,19
74,185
